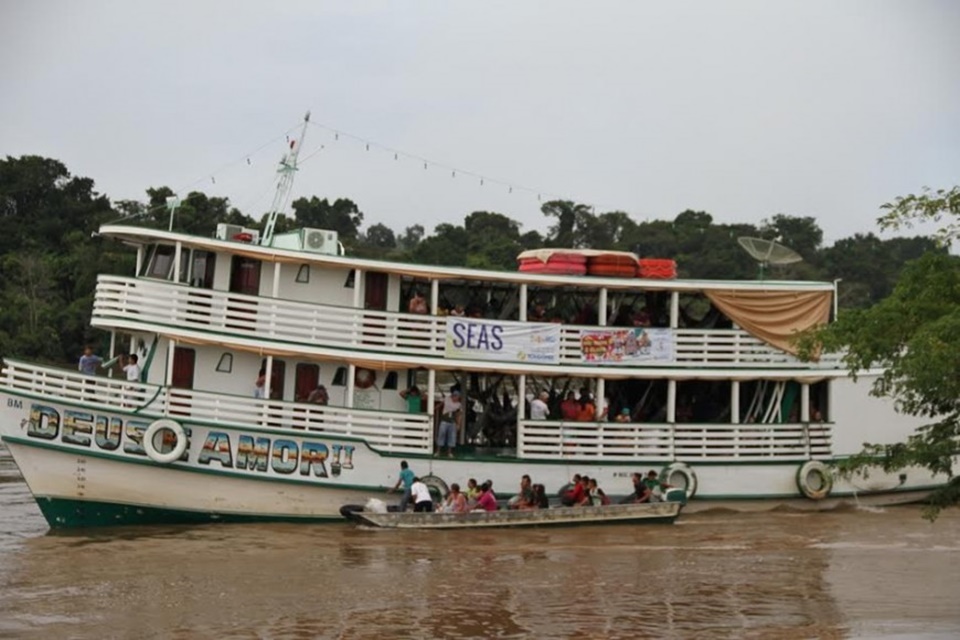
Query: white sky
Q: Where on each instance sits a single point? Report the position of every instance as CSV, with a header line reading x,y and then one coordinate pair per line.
x,y
742,109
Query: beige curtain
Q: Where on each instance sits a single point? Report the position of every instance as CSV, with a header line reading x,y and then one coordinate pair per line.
x,y
775,317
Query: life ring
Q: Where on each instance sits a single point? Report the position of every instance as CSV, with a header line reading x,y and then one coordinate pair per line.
x,y
687,481
243,237
364,378
155,454
814,479
438,488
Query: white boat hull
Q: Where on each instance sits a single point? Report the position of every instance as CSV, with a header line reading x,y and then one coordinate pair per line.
x,y
84,472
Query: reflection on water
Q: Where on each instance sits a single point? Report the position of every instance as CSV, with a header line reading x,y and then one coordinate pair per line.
x,y
780,575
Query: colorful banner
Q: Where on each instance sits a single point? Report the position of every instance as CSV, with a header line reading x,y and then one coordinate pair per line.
x,y
502,341
634,344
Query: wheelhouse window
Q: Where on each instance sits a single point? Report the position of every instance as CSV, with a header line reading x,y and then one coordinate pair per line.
x,y
159,263
201,271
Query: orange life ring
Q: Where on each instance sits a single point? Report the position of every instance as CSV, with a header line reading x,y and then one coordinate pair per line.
x,y
364,378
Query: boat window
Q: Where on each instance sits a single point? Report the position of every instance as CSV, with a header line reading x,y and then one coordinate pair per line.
x,y
351,278
820,402
303,274
225,364
391,381
340,377
201,269
160,265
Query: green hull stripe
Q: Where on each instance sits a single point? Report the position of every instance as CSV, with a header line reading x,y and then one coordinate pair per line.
x,y
64,513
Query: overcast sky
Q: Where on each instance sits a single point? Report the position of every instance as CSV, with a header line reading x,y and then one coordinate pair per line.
x,y
742,109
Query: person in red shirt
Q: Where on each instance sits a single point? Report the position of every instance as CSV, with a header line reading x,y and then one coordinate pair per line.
x,y
570,408
574,495
587,410
487,501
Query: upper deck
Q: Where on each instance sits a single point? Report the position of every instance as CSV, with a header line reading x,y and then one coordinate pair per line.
x,y
332,312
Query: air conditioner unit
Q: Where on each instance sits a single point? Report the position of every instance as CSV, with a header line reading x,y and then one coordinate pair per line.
x,y
320,241
227,231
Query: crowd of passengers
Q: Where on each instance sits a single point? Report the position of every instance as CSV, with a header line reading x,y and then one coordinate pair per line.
x,y
583,491
651,311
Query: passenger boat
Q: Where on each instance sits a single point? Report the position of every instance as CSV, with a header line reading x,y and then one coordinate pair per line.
x,y
234,333
642,513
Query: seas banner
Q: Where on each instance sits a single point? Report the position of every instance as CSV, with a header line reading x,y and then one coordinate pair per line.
x,y
502,341
633,344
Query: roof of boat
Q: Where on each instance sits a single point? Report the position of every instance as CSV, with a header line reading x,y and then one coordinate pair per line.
x,y
143,235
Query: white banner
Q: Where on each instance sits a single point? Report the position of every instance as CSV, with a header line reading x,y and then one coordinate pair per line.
x,y
503,341
636,344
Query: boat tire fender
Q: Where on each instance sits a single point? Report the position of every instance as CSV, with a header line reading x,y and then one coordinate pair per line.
x,y
435,484
690,484
814,480
158,456
364,378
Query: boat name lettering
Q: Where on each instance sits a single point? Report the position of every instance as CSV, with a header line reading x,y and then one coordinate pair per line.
x,y
257,454
83,429
14,403
473,335
282,455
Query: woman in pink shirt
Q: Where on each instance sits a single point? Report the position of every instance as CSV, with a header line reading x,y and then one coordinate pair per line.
x,y
456,502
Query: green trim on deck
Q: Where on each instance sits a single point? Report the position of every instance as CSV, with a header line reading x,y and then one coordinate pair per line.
x,y
62,513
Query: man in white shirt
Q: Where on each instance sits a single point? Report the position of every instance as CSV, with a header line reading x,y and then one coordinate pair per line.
x,y
420,494
449,419
538,407
132,368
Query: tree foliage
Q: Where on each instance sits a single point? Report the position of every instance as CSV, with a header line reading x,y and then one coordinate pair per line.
x,y
913,335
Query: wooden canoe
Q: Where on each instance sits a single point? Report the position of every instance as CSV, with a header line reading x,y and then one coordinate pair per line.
x,y
643,513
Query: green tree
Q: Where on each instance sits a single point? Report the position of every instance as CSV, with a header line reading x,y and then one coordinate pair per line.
x,y
569,216
914,336
342,216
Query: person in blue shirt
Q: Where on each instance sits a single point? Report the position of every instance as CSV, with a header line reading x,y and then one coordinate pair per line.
x,y
406,479
89,362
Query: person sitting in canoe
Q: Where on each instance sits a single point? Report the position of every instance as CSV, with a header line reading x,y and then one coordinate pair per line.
x,y
540,497
639,490
572,495
597,496
524,499
585,500
487,500
655,486
456,501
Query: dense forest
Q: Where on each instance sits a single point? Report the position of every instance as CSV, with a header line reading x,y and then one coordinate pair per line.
x,y
50,253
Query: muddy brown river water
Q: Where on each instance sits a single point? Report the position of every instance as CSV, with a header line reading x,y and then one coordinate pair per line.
x,y
856,573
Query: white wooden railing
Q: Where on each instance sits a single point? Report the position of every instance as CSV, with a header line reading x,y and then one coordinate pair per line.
x,y
384,430
683,441
154,304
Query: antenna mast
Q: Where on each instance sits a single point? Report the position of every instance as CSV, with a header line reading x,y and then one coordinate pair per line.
x,y
287,169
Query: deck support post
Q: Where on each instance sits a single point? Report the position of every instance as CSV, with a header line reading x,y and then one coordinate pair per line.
x,y
521,411
431,407
674,309
523,303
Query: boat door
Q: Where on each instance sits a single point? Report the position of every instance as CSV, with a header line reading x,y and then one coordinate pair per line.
x,y
184,365
375,285
244,279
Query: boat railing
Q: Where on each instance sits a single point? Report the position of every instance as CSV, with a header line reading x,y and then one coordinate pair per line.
x,y
681,441
384,430
135,303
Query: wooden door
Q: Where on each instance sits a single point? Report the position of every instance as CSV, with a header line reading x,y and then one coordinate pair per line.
x,y
244,279
375,299
184,366
306,379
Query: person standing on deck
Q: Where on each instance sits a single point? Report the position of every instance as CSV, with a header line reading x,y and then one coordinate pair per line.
x,y
570,408
89,362
414,399
538,407
406,480
449,418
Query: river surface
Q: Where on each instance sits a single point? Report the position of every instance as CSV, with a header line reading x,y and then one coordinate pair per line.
x,y
856,573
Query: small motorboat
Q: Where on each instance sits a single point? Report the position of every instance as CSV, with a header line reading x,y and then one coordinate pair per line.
x,y
634,513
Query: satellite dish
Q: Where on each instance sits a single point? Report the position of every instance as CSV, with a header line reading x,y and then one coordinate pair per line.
x,y
767,252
